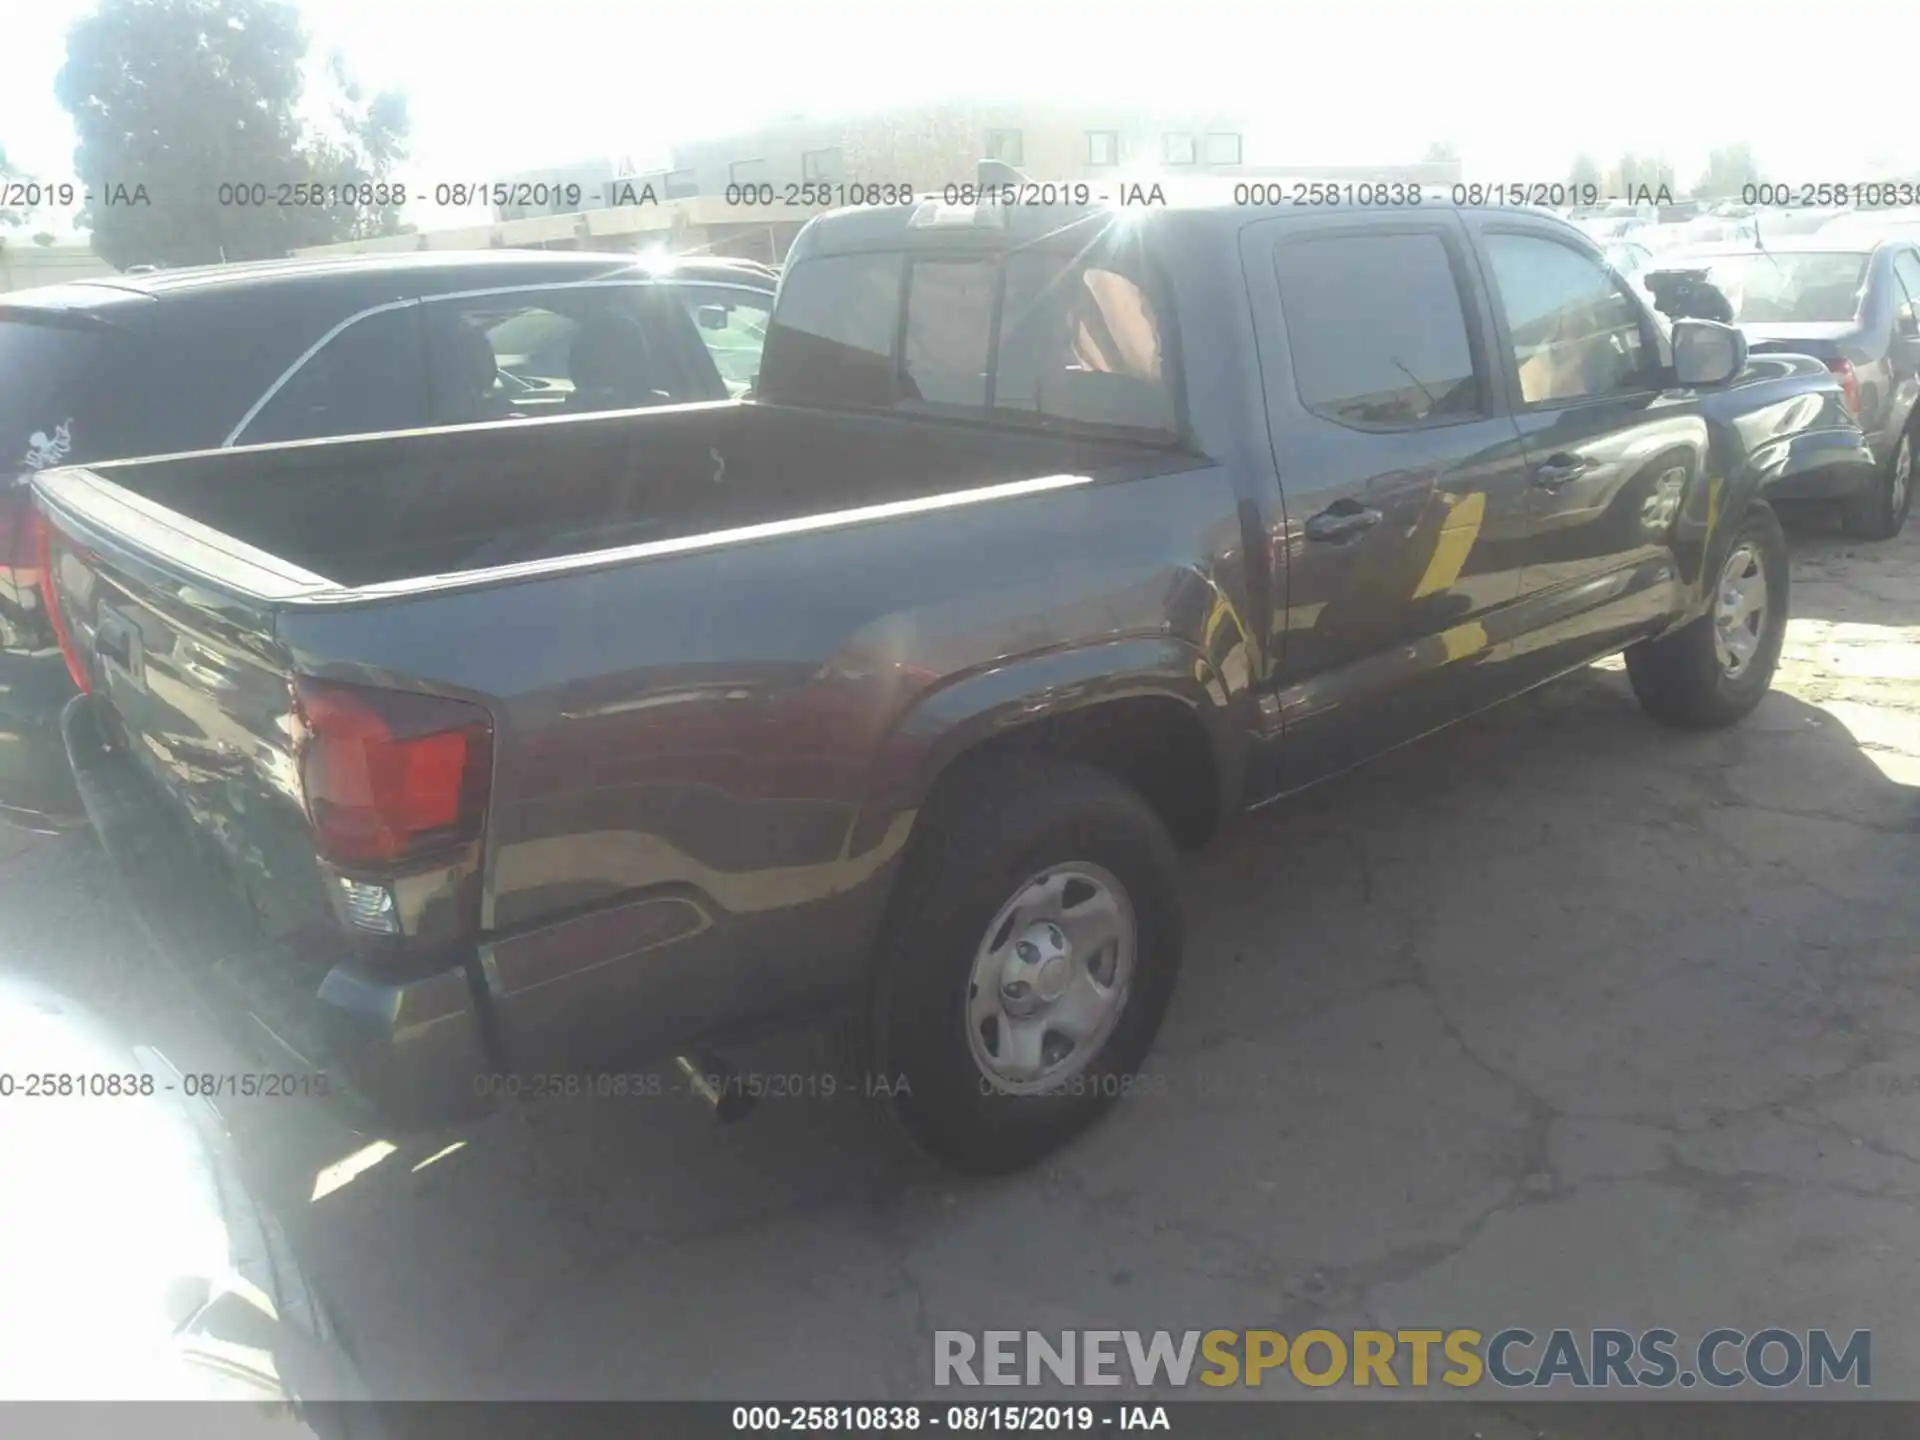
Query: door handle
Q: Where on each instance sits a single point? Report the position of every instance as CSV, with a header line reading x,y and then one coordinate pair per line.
x,y
1342,521
1558,470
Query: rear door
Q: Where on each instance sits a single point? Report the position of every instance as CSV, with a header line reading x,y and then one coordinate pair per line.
x,y
1610,452
1403,477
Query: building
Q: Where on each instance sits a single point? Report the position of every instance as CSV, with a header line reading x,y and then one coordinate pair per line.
x,y
728,195
930,146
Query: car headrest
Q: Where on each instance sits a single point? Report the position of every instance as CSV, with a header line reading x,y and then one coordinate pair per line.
x,y
611,357
471,369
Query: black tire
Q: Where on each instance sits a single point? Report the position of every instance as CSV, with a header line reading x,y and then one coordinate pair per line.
x,y
1678,677
992,827
1874,514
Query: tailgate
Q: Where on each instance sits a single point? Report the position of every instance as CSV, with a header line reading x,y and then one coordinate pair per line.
x,y
170,626
187,753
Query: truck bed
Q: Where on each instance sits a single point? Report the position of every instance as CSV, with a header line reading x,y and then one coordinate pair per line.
x,y
380,509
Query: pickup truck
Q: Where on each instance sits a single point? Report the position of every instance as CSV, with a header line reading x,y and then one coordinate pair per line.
x,y
1048,539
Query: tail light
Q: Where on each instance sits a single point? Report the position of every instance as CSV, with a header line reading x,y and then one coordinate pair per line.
x,y
50,597
388,775
1849,383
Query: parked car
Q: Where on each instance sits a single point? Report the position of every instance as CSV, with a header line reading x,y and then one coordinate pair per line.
x,y
1049,539
283,350
1851,305
140,1265
1861,226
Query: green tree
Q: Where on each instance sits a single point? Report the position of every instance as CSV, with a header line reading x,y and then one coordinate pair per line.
x,y
171,99
1585,170
1730,169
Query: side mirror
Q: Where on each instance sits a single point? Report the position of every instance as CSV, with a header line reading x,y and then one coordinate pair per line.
x,y
1706,353
712,317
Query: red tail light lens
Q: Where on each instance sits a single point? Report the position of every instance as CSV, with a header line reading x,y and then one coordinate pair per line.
x,y
50,597
1849,383
389,775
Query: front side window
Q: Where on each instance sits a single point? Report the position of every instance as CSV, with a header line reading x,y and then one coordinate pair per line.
x,y
733,327
1103,147
1223,149
1575,334
1376,329
748,172
370,377
1177,149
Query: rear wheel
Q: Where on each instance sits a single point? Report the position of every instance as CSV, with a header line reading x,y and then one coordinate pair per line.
x,y
1879,512
1712,671
1027,962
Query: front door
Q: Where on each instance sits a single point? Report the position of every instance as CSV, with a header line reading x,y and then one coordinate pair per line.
x,y
1611,450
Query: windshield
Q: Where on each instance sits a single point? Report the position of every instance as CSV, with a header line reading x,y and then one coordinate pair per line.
x,y
1798,287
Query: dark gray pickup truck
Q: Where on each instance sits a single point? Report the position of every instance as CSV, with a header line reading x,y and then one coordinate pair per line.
x,y
1046,540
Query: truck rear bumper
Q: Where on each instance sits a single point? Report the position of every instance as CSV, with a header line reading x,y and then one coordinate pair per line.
x,y
392,1055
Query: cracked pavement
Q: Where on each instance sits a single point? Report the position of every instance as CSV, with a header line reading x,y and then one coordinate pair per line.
x,y
1558,1019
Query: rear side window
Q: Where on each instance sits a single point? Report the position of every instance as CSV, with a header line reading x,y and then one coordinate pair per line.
x,y
1790,287
1080,338
45,373
372,376
1376,329
949,330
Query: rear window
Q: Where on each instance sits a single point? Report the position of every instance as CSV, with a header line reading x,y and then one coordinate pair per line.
x,y
1787,287
43,371
1046,337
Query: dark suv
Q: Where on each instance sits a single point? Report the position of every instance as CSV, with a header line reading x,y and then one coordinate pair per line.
x,y
288,350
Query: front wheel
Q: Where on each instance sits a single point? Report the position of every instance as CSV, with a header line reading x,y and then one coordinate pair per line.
x,y
1027,962
1880,511
1712,671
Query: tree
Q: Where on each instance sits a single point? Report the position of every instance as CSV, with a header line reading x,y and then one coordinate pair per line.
x,y
174,99
1730,169
1637,172
1585,171
1442,150
12,215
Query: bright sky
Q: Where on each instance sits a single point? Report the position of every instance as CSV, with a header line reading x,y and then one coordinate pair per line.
x,y
499,87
